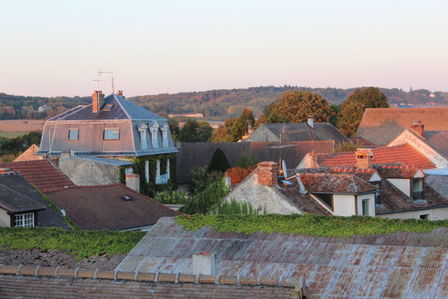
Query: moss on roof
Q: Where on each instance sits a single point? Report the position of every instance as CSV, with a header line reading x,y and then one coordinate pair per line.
x,y
313,225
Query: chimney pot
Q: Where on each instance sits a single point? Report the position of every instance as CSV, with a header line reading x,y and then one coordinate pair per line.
x,y
364,158
418,128
120,93
267,173
97,101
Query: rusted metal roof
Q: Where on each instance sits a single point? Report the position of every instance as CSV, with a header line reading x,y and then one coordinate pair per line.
x,y
398,265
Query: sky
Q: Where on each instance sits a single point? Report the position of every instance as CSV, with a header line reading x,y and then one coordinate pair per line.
x,y
55,48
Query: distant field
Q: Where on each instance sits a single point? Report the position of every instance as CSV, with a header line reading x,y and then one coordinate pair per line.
x,y
17,127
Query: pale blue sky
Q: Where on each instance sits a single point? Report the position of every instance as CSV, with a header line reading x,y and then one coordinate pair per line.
x,y
56,47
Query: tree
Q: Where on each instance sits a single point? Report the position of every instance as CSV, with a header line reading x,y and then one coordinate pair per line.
x,y
194,131
219,162
353,107
221,134
297,107
234,128
174,128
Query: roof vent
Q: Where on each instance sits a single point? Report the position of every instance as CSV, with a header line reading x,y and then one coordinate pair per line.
x,y
126,198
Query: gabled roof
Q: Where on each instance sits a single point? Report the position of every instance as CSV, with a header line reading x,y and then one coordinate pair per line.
x,y
16,194
197,154
103,207
335,183
29,154
302,132
404,154
42,174
382,125
121,109
398,265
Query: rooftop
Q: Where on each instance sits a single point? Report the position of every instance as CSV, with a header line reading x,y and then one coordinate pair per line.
x,y
341,183
42,174
16,194
109,207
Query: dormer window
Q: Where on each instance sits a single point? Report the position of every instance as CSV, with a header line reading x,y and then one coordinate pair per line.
x,y
417,189
154,135
142,128
111,134
73,134
165,135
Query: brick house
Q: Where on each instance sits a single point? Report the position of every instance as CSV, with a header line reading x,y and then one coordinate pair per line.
x,y
101,143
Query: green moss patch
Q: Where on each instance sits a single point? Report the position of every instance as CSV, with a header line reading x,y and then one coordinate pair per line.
x,y
320,226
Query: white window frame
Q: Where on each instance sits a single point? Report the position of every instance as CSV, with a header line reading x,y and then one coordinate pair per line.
x,y
24,220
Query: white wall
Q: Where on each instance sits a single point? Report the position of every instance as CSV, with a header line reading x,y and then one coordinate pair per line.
x,y
403,184
261,197
434,214
344,205
5,218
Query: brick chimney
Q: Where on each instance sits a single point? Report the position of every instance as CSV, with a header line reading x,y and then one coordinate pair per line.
x,y
97,101
364,158
418,128
267,173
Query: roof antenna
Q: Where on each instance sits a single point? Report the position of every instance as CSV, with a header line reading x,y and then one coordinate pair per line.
x,y
111,77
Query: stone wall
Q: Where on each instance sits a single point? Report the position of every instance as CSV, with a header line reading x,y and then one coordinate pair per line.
x,y
49,283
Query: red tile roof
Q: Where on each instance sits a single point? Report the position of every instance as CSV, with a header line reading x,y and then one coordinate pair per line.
x,y
404,154
42,174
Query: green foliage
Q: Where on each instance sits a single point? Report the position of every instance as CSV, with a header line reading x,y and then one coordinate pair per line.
x,y
195,131
201,178
248,161
234,128
174,128
346,146
297,107
218,162
353,107
221,134
321,226
232,208
80,243
172,197
10,148
204,200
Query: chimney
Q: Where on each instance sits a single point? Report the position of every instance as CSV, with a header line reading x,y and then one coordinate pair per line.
x,y
418,128
204,263
97,100
120,93
364,158
133,182
267,173
310,122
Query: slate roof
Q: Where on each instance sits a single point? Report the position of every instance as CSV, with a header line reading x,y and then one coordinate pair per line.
x,y
121,109
299,132
382,125
103,207
29,154
198,154
438,183
304,202
404,154
438,140
396,265
335,183
42,174
17,195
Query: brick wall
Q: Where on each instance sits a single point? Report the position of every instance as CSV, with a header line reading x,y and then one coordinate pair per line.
x,y
49,283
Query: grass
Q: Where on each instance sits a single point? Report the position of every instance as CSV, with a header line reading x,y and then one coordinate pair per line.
x,y
321,226
79,243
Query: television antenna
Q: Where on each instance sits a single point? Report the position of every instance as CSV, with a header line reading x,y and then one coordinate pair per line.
x,y
99,79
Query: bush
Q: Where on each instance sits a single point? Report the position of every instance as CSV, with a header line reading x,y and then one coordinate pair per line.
x,y
176,197
237,174
204,200
201,179
232,208
219,162
248,161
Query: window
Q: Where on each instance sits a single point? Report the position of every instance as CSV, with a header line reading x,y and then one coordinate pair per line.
x,y
365,207
327,199
111,134
24,220
73,134
417,189
424,216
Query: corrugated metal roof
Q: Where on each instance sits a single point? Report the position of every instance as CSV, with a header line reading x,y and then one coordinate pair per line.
x,y
398,265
